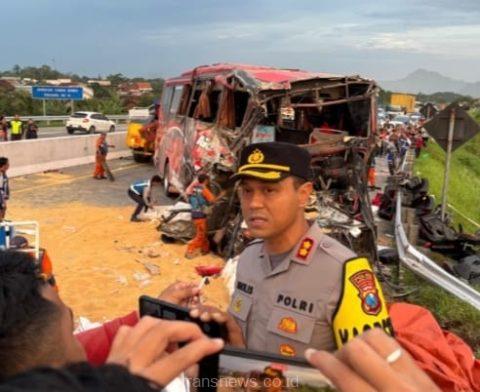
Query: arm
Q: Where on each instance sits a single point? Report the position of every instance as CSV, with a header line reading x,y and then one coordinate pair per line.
x,y
357,302
98,341
146,195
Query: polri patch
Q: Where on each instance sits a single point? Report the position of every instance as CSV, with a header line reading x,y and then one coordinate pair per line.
x,y
287,350
288,325
364,282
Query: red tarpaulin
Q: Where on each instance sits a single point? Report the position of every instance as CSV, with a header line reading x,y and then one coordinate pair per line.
x,y
447,359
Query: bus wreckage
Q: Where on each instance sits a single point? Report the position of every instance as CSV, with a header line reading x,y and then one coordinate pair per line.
x,y
209,113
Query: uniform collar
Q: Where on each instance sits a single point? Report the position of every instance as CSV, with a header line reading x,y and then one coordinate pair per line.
x,y
305,249
302,253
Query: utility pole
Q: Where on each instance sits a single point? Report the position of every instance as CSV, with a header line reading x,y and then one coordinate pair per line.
x,y
447,163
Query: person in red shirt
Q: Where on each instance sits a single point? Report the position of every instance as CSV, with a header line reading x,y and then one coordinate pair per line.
x,y
419,144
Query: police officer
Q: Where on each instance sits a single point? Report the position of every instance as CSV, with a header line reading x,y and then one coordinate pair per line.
x,y
16,126
295,286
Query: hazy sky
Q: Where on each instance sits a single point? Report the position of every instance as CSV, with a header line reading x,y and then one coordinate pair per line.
x,y
380,39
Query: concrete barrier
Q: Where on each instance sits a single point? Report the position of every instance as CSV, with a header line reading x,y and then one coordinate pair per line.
x,y
38,155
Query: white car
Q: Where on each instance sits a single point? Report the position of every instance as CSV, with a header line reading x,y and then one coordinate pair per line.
x,y
89,122
400,120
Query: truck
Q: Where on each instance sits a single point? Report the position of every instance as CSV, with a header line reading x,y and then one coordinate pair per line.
x,y
405,101
141,128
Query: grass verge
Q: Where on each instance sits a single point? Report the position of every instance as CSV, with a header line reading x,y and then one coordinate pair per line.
x,y
464,194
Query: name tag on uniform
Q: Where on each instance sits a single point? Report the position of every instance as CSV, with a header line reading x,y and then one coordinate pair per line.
x,y
245,287
298,304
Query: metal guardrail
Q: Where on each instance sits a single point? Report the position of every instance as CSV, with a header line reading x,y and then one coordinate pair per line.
x,y
428,269
113,117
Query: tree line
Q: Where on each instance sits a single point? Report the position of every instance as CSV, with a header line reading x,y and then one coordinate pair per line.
x,y
106,99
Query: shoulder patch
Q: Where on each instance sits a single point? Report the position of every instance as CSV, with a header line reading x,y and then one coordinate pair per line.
x,y
336,249
361,305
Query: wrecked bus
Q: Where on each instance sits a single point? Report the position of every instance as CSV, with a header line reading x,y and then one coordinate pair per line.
x,y
211,112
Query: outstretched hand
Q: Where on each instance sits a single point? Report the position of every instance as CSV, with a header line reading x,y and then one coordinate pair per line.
x,y
150,349
210,313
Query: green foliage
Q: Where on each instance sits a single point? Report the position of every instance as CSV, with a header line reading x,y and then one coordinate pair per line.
x,y
464,178
463,194
451,313
384,97
106,99
444,98
39,73
117,79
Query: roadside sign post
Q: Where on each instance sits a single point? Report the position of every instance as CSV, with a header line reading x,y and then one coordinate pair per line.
x,y
45,111
58,93
451,128
448,158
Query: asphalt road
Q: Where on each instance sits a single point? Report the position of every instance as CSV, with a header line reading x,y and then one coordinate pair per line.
x,y
44,132
76,184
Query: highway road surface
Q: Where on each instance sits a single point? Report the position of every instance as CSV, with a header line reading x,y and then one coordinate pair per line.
x,y
45,132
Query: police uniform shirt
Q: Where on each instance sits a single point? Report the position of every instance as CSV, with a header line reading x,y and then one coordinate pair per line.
x,y
290,308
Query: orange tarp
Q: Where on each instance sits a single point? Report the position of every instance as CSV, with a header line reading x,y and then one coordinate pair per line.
x,y
447,359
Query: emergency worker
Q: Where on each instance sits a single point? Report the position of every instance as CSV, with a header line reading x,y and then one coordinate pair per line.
x,y
141,192
16,130
295,286
199,197
101,151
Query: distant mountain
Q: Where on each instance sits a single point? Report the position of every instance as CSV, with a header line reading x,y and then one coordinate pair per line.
x,y
429,82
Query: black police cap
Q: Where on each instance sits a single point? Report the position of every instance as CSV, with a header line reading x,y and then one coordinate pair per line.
x,y
273,161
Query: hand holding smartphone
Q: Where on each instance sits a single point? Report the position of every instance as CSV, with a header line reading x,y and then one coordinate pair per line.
x,y
234,368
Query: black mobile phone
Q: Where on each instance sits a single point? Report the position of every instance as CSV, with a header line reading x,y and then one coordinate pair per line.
x,y
154,307
240,369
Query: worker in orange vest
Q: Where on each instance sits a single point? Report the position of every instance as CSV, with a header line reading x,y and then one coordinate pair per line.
x,y
101,151
199,197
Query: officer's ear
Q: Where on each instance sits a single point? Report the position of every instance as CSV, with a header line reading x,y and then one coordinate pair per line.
x,y
304,191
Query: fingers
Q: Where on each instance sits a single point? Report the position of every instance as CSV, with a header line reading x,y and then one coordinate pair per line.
x,y
384,345
155,341
180,293
208,313
143,348
129,338
166,369
116,350
362,365
337,372
373,368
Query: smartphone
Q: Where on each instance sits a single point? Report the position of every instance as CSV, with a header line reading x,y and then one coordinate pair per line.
x,y
247,370
154,307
